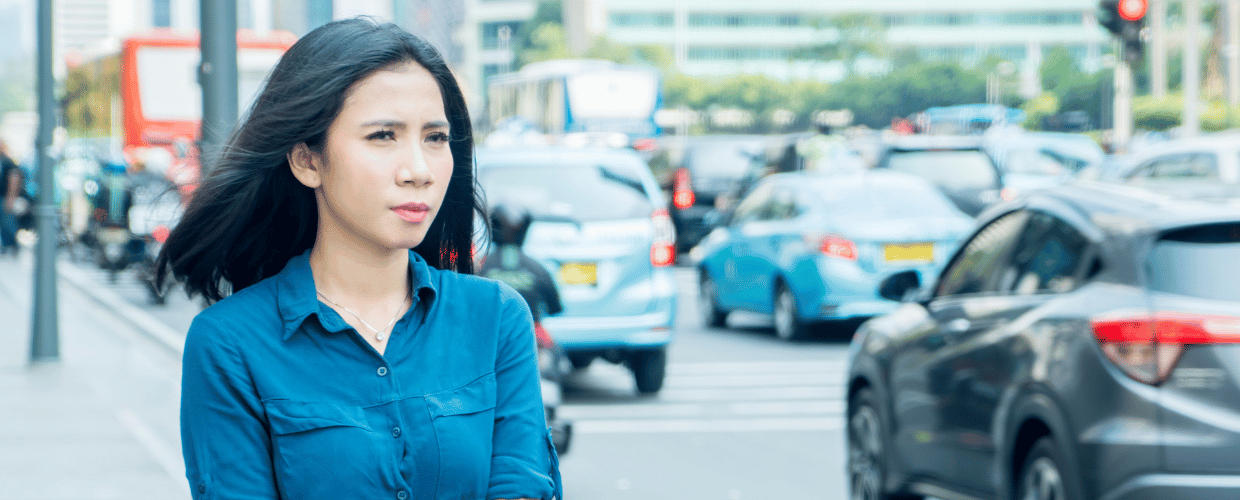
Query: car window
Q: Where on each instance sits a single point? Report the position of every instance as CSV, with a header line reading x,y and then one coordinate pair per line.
x,y
966,169
581,192
978,266
1032,162
872,202
1046,259
1177,166
723,159
1197,262
783,205
753,206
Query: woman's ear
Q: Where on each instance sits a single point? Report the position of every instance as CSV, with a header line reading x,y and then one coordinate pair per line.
x,y
305,165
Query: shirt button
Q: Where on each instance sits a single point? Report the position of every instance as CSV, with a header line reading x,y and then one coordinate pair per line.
x,y
382,371
202,488
401,495
396,432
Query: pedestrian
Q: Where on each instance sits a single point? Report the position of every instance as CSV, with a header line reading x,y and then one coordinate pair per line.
x,y
13,204
349,353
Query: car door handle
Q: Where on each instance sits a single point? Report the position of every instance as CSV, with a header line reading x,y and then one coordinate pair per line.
x,y
958,325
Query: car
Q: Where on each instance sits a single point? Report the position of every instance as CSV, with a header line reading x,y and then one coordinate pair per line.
x,y
957,164
1213,158
601,227
808,248
1034,160
696,171
1082,343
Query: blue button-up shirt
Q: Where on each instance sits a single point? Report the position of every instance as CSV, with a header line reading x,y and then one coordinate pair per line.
x,y
281,398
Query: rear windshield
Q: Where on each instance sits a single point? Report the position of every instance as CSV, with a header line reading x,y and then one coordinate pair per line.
x,y
965,169
1198,262
722,159
581,193
875,203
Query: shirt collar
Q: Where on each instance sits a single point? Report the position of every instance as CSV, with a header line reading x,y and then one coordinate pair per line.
x,y
297,297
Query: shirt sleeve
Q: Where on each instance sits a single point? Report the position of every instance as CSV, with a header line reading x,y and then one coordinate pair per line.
x,y
226,445
523,462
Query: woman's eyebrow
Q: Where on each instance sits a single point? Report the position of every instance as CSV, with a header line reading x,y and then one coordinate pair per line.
x,y
435,124
385,124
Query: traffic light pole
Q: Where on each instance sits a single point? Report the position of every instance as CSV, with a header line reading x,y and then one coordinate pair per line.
x,y
1122,124
44,335
218,76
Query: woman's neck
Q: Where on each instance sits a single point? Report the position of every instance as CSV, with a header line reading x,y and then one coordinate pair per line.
x,y
358,275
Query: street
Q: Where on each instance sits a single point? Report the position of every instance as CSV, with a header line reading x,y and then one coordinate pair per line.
x,y
742,415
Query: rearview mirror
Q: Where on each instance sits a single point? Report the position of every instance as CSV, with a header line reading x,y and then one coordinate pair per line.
x,y
897,286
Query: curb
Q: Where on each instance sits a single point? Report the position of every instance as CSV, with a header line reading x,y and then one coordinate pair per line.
x,y
146,324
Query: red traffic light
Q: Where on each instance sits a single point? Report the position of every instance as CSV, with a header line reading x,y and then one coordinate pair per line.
x,y
1132,10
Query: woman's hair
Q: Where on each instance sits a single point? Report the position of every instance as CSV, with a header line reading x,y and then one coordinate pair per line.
x,y
249,215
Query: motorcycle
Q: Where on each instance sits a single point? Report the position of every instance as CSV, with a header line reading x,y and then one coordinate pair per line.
x,y
552,365
150,224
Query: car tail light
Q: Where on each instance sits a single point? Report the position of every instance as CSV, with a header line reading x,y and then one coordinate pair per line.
x,y
1007,194
1147,346
663,248
160,233
833,246
543,336
682,191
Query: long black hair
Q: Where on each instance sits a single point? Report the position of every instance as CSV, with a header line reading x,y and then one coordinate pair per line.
x,y
249,215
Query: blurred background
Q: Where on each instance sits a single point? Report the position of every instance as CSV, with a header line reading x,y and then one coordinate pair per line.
x,y
721,191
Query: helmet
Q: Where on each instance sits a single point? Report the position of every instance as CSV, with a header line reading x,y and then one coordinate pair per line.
x,y
509,223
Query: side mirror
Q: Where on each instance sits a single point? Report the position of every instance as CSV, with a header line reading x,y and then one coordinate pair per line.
x,y
897,286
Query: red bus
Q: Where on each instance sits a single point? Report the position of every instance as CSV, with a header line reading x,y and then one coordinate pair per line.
x,y
142,92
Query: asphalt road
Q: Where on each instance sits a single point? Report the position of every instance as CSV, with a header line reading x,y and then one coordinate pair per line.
x,y
742,414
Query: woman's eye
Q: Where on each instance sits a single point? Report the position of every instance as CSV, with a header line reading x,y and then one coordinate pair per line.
x,y
386,135
438,137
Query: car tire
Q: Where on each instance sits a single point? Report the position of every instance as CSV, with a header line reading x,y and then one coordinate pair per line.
x,y
708,304
787,325
1043,476
649,370
867,465
580,361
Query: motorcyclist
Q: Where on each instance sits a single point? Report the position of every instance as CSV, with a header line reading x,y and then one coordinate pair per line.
x,y
507,263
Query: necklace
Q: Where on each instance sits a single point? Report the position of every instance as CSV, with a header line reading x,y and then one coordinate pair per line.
x,y
378,333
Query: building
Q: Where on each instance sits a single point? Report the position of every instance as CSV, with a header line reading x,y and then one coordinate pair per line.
x,y
722,37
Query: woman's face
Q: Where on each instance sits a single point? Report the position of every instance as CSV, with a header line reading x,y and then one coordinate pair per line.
x,y
381,176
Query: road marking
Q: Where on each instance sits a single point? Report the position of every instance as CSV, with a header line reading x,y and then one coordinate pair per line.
x,y
630,411
757,367
167,458
788,408
712,425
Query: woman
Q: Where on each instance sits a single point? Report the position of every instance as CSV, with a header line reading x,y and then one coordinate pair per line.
x,y
343,364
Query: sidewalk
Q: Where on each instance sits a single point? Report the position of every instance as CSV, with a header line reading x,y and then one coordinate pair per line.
x,y
100,423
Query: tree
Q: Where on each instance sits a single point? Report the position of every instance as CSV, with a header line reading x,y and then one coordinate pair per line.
x,y
857,36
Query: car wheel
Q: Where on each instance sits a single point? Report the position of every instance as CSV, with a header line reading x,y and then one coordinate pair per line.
x,y
787,326
867,471
580,361
649,370
708,304
1042,477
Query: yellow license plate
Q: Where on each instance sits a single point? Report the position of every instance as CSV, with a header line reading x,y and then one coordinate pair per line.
x,y
579,273
893,252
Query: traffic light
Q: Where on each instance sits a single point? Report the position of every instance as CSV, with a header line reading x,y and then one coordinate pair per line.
x,y
1125,19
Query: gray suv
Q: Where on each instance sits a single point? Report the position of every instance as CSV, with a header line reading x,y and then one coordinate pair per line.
x,y
1083,343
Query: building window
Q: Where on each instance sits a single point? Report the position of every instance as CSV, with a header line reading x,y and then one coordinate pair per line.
x,y
641,19
700,53
1027,18
491,34
161,13
745,20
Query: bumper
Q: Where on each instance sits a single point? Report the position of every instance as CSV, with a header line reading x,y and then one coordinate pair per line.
x,y
609,332
841,290
1187,486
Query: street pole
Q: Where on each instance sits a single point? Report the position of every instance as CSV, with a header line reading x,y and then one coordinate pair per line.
x,y
1122,126
218,76
1158,48
44,335
1192,68
1233,53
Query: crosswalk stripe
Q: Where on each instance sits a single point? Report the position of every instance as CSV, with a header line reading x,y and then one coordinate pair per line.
x,y
757,367
715,425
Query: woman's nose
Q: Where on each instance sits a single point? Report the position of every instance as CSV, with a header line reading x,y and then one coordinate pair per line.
x,y
413,168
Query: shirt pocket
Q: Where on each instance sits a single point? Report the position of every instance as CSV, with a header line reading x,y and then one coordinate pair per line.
x,y
317,447
464,422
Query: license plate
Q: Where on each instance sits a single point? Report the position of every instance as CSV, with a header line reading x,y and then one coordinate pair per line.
x,y
894,252
579,273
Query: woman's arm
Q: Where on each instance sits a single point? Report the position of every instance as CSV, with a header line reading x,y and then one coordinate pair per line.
x,y
523,464
225,442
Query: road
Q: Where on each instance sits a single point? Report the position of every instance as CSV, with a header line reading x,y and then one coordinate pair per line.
x,y
742,414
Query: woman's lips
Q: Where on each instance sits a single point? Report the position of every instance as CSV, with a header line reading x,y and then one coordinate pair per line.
x,y
412,213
